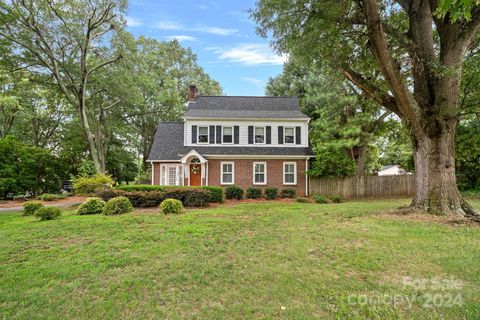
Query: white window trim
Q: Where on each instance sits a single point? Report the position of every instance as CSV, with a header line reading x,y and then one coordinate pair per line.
x,y
222,134
265,174
264,134
285,137
221,172
294,173
208,135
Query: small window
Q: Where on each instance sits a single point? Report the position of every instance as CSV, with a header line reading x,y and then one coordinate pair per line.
x,y
259,134
227,175
289,173
259,173
227,135
289,135
202,134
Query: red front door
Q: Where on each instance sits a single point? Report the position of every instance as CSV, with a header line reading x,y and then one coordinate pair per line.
x,y
195,174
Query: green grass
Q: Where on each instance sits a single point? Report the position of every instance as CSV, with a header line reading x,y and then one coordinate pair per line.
x,y
269,260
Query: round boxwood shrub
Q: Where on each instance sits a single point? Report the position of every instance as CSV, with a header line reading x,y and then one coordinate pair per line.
x,y
271,193
169,206
233,192
287,193
254,193
91,206
117,205
87,186
335,199
30,207
320,199
48,213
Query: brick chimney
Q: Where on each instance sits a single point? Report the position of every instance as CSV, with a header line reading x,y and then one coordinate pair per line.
x,y
192,93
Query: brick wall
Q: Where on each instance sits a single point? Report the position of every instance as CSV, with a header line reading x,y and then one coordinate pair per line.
x,y
244,174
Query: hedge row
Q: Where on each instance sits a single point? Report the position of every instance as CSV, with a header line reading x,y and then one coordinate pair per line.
x,y
190,197
216,192
234,192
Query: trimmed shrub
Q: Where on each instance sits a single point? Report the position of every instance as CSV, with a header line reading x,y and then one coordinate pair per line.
x,y
320,199
48,213
335,199
233,192
216,192
30,207
87,186
254,193
91,206
141,187
118,205
51,197
271,193
287,193
190,197
303,200
169,206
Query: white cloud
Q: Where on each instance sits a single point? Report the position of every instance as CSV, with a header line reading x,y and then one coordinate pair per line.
x,y
257,82
219,31
173,25
133,22
251,54
168,25
182,38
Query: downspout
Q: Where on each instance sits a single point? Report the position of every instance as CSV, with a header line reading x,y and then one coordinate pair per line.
x,y
153,181
306,177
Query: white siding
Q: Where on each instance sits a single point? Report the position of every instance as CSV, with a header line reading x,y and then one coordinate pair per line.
x,y
244,131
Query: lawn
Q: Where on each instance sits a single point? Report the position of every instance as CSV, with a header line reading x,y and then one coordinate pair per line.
x,y
268,260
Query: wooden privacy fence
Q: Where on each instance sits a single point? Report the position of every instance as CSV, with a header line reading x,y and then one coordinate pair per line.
x,y
364,186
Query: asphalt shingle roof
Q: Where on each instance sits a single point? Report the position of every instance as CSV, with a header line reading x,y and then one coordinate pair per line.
x,y
245,107
168,145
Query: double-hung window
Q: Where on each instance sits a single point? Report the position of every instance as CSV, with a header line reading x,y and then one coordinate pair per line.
x,y
259,134
289,173
203,134
289,135
227,135
259,173
227,173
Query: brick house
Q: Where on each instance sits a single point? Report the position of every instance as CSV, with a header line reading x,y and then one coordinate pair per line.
x,y
227,140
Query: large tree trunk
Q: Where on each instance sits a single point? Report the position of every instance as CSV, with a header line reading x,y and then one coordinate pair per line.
x,y
435,181
360,159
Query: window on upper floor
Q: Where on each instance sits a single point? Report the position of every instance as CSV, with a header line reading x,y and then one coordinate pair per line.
x,y
289,135
227,135
259,134
202,135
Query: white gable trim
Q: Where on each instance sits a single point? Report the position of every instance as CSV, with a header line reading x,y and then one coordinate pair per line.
x,y
193,153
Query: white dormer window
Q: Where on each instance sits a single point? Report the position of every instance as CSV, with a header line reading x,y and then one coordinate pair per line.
x,y
202,135
259,135
289,135
227,135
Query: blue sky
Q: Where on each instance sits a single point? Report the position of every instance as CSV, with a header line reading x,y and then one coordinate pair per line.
x,y
219,32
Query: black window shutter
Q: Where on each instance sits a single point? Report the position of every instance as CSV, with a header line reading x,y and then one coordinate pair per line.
x,y
280,135
236,135
212,134
219,134
250,134
194,134
269,135
298,135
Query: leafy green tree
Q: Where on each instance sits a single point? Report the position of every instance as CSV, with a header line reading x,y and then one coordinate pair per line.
x,y
418,47
25,169
64,43
343,120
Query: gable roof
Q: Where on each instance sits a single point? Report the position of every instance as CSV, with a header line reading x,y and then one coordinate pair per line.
x,y
245,107
168,145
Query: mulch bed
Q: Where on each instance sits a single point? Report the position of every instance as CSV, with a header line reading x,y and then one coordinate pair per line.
x,y
19,203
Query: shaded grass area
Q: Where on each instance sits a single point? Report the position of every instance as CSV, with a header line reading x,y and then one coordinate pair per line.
x,y
267,260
